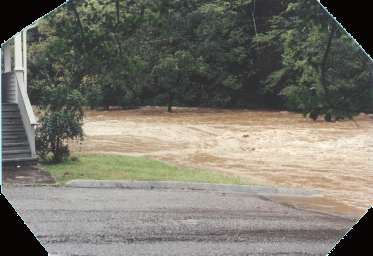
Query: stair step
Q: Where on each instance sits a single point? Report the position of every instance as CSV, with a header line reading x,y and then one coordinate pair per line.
x,y
20,160
10,112
15,146
14,135
19,144
10,117
16,151
12,121
17,140
13,132
13,124
15,143
17,158
9,106
6,108
7,128
13,128
7,154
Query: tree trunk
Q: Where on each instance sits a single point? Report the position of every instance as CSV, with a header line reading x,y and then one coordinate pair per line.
x,y
83,44
117,8
325,59
80,24
116,29
253,10
56,152
328,117
170,102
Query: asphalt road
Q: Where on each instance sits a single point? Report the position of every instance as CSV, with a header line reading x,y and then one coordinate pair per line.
x,y
91,221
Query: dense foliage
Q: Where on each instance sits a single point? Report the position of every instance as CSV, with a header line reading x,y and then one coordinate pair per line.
x,y
221,53
61,121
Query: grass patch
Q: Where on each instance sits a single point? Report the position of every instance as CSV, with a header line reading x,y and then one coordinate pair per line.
x,y
115,167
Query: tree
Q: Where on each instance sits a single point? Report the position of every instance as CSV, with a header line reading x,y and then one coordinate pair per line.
x,y
174,75
316,53
217,53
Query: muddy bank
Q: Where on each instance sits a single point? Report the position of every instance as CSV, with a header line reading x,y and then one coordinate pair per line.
x,y
270,148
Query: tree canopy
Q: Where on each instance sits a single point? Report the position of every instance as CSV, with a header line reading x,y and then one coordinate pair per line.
x,y
285,54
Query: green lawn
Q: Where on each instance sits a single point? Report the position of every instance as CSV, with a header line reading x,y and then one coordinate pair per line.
x,y
115,167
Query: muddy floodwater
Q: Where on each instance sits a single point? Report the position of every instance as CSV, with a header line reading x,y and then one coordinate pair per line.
x,y
269,148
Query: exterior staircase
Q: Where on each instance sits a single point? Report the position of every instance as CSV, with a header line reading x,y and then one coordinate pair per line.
x,y
15,146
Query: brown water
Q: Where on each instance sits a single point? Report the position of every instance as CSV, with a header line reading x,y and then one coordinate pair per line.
x,y
271,148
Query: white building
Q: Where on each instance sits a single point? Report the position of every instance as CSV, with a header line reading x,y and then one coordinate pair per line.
x,y
18,119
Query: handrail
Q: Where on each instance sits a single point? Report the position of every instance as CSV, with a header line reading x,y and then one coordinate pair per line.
x,y
26,101
27,114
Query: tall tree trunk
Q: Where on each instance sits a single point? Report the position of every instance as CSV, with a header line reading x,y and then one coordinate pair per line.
x,y
170,102
325,59
328,117
116,29
117,8
79,22
82,67
253,10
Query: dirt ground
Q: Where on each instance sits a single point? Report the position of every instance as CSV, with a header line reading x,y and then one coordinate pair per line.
x,y
26,175
270,148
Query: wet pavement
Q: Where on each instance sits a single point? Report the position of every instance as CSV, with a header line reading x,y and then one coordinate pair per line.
x,y
101,221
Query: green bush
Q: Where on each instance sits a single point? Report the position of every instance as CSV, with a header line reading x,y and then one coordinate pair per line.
x,y
60,123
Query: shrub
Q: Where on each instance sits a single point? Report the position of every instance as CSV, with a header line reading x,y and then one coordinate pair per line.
x,y
60,123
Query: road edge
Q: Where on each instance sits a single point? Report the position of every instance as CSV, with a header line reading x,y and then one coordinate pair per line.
x,y
170,185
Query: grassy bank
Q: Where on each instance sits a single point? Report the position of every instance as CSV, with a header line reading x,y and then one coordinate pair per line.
x,y
114,167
